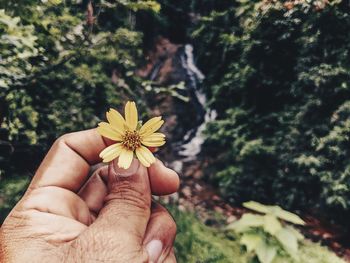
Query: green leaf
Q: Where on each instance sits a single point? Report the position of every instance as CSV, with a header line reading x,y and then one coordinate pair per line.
x,y
247,221
55,2
251,241
271,224
288,216
255,206
289,241
266,253
298,235
51,2
274,210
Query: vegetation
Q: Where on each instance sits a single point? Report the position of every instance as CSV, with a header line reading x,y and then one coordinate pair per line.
x,y
196,242
278,79
277,74
53,51
267,236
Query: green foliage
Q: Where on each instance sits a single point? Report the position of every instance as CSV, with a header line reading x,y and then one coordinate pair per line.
x,y
266,236
59,71
278,78
196,242
274,211
11,190
173,90
18,46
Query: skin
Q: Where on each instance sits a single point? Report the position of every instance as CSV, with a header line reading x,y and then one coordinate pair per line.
x,y
67,216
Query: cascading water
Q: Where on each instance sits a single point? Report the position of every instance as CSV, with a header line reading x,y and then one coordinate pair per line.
x,y
191,145
177,61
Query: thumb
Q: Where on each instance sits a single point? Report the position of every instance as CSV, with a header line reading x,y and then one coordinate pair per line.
x,y
128,202
123,220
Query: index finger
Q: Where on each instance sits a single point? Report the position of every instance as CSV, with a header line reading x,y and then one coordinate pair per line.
x,y
68,162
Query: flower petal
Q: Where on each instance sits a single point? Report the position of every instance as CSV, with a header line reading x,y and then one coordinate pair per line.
x,y
111,152
125,158
145,156
131,116
151,126
106,130
154,140
149,123
116,120
154,144
154,137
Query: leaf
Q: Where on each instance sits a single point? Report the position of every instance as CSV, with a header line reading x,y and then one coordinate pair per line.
x,y
298,235
274,210
251,241
255,206
289,241
271,224
288,216
55,2
247,221
266,253
51,2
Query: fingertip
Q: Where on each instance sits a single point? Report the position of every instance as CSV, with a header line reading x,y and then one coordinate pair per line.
x,y
163,180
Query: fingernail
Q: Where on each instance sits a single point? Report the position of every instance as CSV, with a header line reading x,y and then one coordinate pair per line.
x,y
154,249
126,172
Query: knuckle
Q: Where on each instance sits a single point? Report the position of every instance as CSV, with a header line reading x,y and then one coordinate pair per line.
x,y
163,219
128,195
169,222
171,225
62,139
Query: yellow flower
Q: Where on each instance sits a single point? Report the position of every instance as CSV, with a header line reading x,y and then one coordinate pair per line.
x,y
129,137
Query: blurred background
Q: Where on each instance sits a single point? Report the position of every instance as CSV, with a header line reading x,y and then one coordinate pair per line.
x,y
256,98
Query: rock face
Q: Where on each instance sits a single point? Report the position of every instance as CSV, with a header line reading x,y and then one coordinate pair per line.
x,y
161,67
170,64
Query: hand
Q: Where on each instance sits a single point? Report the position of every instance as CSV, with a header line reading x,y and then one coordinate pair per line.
x,y
63,217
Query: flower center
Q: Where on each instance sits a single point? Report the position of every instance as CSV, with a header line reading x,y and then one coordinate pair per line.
x,y
131,140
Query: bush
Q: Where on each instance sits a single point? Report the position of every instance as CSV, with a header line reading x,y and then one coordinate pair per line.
x,y
197,243
60,70
281,90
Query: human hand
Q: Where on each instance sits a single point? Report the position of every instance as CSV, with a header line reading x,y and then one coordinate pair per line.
x,y
110,218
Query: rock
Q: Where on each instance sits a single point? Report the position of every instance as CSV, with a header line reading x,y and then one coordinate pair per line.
x,y
186,191
198,187
218,209
198,174
216,198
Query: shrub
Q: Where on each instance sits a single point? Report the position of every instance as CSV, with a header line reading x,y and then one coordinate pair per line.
x,y
267,236
281,91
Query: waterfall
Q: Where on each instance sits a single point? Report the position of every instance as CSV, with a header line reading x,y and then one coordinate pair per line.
x,y
193,140
184,69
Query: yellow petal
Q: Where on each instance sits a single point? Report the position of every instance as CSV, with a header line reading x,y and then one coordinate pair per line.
x,y
154,143
151,126
131,116
125,158
154,140
154,137
116,120
111,152
106,130
145,156
150,123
